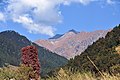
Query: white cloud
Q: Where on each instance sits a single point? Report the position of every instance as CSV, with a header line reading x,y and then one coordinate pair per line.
x,y
33,27
83,2
38,16
2,17
110,2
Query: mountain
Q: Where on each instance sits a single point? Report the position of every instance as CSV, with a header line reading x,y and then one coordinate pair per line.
x,y
71,43
105,54
72,30
11,43
60,35
56,36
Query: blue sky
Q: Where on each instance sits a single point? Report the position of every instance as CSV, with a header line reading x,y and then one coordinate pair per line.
x,y
41,19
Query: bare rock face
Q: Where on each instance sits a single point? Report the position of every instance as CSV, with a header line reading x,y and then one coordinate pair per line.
x,y
71,43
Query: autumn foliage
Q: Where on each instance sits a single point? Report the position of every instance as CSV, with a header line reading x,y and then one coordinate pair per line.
x,y
30,59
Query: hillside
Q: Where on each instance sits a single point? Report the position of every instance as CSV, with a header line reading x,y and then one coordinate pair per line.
x,y
71,43
11,43
104,53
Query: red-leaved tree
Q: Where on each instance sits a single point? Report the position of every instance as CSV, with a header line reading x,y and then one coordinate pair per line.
x,y
30,59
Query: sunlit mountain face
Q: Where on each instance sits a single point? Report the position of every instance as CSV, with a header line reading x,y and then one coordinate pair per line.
x,y
71,43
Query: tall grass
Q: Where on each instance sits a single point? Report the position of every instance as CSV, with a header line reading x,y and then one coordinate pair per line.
x,y
62,75
67,75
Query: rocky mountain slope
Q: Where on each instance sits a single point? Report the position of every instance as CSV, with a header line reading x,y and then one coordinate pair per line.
x,y
71,43
11,43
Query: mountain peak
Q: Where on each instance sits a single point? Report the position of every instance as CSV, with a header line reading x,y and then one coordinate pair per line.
x,y
56,36
9,32
74,31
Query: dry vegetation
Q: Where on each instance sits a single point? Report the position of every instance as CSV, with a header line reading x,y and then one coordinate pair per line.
x,y
21,73
68,75
15,73
64,75
118,49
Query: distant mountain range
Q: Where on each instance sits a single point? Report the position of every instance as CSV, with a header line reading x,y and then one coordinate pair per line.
x,y
11,43
71,43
